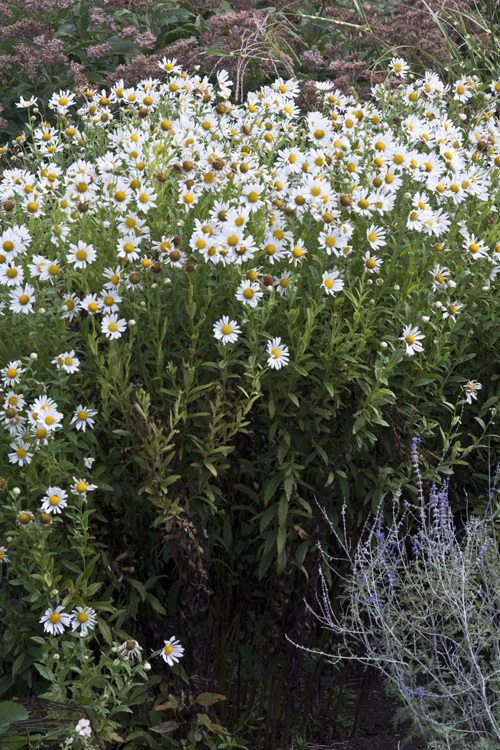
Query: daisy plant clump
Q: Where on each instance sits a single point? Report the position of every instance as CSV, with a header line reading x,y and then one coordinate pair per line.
x,y
420,604
211,299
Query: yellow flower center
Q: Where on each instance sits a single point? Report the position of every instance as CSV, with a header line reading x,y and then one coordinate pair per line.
x,y
120,196
253,197
370,263
270,249
363,203
144,197
297,252
54,500
82,617
380,146
397,68
251,275
11,373
24,299
248,293
81,487
452,309
372,237
473,247
63,101
24,518
12,273
41,433
410,339
232,240
315,191
275,353
53,270
32,208
8,246
49,420
54,618
10,413
329,283
93,307
439,278
68,361
226,330
82,415
113,327
168,650
21,453
319,134
460,90
81,255
188,198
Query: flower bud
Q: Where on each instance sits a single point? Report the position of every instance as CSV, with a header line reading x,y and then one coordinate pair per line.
x,y
33,355
383,345
16,491
131,323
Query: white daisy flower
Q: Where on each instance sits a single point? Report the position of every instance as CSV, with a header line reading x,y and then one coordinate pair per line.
x,y
67,361
11,275
55,500
399,66
284,283
226,330
55,620
84,618
278,354
81,487
81,255
331,281
249,293
88,461
3,555
412,337
22,299
372,263
12,373
83,417
129,649
471,389
21,453
376,237
113,327
172,651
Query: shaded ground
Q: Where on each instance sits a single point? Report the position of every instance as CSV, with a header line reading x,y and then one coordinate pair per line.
x,y
375,728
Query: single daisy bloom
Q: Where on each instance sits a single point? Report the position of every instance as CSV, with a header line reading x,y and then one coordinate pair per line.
x,y
84,618
172,651
440,277
376,237
21,453
12,373
471,389
67,361
284,283
399,66
81,255
331,281
22,299
412,337
83,417
3,555
129,649
112,326
451,310
226,330
88,461
297,253
55,620
55,500
249,293
81,487
372,263
278,354
24,519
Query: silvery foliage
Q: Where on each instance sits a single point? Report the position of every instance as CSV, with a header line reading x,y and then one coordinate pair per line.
x,y
422,605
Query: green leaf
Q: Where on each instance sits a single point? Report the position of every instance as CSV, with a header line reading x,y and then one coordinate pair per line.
x,y
10,712
208,699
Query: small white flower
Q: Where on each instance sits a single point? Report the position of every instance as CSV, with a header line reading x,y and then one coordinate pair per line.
x,y
331,281
83,417
471,389
226,330
249,293
55,620
278,354
172,651
55,500
83,728
412,337
88,461
112,326
67,361
129,649
84,618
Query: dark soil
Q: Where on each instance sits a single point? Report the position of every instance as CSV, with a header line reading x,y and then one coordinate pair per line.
x,y
375,728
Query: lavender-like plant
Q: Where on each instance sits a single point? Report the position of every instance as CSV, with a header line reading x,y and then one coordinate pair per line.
x,y
422,605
